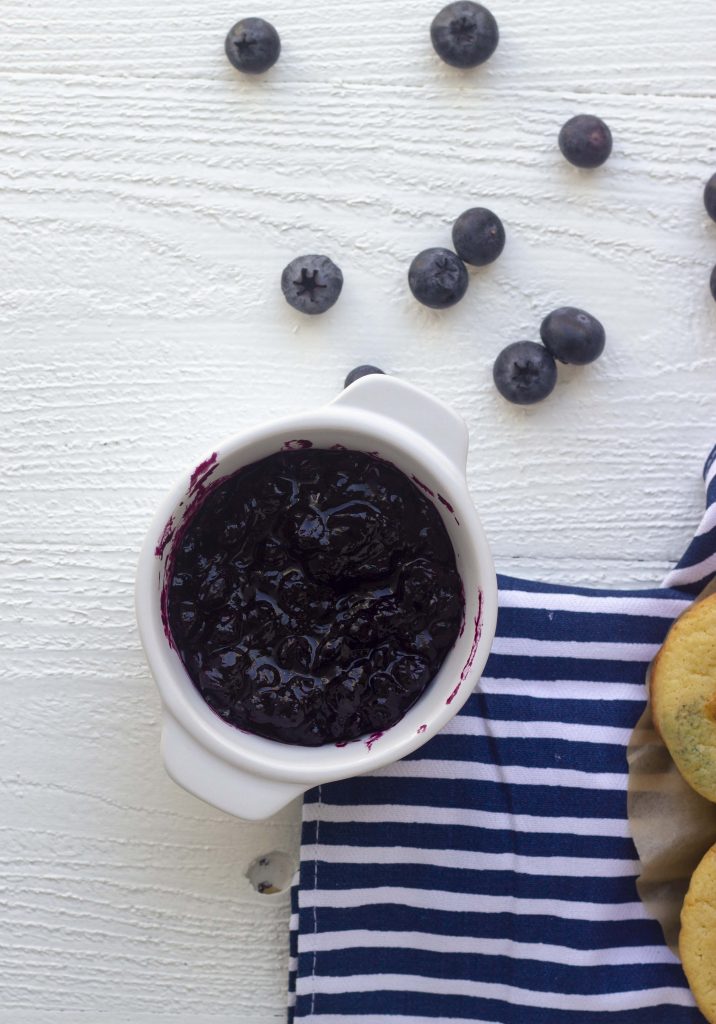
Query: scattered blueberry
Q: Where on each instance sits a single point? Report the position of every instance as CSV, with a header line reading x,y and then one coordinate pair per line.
x,y
464,34
525,373
360,371
710,197
437,278
478,236
713,282
573,336
585,141
311,284
253,46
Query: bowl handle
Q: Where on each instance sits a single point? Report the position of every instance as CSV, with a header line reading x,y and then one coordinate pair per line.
x,y
414,409
219,783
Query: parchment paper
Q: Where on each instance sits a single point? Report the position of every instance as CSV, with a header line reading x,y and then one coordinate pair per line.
x,y
672,826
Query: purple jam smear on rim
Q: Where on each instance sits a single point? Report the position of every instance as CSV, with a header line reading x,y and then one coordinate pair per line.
x,y
313,596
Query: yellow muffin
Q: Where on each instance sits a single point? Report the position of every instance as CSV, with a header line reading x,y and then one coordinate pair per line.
x,y
683,695
697,941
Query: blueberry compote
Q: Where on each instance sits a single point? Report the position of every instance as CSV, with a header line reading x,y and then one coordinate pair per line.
x,y
314,596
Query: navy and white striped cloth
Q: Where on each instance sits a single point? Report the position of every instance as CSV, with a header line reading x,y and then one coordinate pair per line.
x,y
490,876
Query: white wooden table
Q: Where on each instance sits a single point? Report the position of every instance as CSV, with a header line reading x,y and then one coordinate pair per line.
x,y
150,198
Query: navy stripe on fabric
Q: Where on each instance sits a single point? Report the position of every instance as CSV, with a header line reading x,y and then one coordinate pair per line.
x,y
464,837
584,671
545,801
707,466
535,587
547,753
475,883
700,549
535,975
293,948
608,758
507,707
443,1008
587,627
695,588
557,931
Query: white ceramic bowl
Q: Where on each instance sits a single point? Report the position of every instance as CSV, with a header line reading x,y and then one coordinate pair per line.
x,y
253,777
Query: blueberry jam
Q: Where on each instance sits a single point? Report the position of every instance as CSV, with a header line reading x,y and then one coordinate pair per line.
x,y
313,596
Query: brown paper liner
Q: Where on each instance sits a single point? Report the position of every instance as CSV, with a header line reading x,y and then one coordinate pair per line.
x,y
671,825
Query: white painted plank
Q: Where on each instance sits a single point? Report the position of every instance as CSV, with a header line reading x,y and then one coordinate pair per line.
x,y
150,198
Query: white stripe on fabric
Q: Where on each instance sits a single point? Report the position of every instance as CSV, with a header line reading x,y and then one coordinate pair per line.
x,y
411,814
708,522
710,475
293,922
508,774
602,1001
363,938
658,607
560,867
292,963
691,573
481,903
561,689
516,729
592,650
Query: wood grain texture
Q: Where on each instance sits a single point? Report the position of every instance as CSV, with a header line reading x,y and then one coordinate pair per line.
x,y
150,198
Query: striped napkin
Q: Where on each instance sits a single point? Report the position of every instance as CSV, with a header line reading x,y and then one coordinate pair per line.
x,y
490,876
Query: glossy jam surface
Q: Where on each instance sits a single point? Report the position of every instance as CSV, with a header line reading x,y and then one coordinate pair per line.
x,y
314,595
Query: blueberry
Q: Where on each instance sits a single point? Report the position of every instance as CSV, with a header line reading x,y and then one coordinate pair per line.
x,y
478,236
190,619
360,371
525,373
710,197
311,284
213,591
252,46
410,671
437,278
227,629
419,579
585,141
573,336
713,282
295,652
464,34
